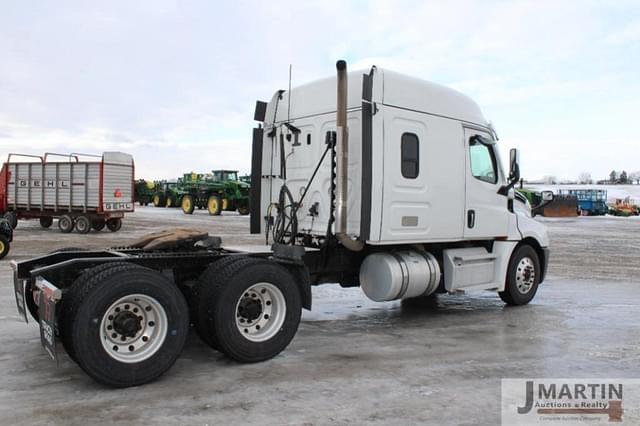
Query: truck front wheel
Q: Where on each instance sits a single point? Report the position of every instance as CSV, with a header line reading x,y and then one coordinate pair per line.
x,y
523,276
254,308
126,325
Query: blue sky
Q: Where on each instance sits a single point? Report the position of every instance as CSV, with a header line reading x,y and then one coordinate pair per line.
x,y
175,83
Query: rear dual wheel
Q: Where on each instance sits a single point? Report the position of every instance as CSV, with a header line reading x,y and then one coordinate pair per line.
x,y
124,324
248,308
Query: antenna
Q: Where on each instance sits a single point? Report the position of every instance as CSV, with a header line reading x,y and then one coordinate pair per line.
x,y
289,96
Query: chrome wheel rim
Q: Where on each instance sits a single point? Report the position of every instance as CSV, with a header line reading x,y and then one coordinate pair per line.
x,y
260,312
525,275
133,328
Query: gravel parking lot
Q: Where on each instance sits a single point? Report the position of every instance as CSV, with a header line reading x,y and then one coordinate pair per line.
x,y
352,361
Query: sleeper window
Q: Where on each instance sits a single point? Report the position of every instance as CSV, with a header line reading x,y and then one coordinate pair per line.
x,y
410,156
483,161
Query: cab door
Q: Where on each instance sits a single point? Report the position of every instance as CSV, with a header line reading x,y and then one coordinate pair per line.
x,y
486,211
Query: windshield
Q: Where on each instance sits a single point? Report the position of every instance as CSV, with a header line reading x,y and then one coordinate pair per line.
x,y
231,176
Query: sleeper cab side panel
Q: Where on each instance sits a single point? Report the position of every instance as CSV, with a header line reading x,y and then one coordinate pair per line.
x,y
429,207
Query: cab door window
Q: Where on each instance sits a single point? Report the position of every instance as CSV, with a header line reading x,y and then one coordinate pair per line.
x,y
483,160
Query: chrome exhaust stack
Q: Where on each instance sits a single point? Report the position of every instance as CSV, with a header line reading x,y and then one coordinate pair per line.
x,y
342,162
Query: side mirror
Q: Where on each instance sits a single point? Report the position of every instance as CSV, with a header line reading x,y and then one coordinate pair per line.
x,y
547,196
514,172
514,165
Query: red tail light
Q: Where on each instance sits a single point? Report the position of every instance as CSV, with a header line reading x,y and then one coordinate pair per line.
x,y
117,193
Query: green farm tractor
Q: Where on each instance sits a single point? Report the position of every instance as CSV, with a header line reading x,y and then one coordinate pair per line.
x,y
168,194
144,191
216,191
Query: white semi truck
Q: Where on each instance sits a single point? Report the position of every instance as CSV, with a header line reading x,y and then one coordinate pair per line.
x,y
389,183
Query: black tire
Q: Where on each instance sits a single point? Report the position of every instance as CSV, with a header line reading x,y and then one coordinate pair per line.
x,y
46,221
214,205
98,225
199,306
66,223
114,224
88,307
5,245
521,286
12,218
244,210
228,288
169,202
69,301
157,201
83,224
187,204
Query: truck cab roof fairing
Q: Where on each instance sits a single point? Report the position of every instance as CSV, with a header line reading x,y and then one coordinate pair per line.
x,y
399,90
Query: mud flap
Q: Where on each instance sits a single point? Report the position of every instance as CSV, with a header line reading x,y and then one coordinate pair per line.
x,y
18,287
49,296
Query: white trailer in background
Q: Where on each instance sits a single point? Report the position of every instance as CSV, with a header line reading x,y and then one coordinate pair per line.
x,y
91,193
394,185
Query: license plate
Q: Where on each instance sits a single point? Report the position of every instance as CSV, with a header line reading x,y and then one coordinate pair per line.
x,y
49,295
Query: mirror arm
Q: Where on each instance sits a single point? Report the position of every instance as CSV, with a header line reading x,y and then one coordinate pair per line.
x,y
514,177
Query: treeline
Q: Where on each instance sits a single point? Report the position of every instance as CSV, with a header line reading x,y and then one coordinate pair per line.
x,y
622,178
615,178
